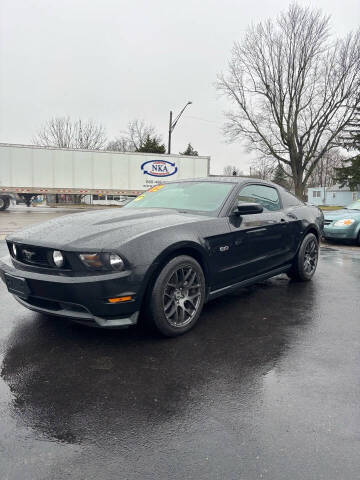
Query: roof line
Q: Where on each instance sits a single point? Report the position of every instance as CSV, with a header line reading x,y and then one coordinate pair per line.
x,y
19,145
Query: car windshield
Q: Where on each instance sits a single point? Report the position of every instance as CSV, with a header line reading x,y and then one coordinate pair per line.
x,y
193,196
354,205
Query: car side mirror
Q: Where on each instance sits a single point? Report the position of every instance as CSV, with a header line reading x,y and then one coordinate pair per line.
x,y
247,208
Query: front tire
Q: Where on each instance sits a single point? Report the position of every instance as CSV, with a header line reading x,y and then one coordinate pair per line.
x,y
306,260
178,296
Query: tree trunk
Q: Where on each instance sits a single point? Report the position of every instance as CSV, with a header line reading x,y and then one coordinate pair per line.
x,y
298,180
299,189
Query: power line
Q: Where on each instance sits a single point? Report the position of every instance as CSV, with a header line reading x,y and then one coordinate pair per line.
x,y
202,119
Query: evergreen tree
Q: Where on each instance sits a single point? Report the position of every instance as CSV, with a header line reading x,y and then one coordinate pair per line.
x,y
152,145
232,171
351,138
190,151
280,177
349,173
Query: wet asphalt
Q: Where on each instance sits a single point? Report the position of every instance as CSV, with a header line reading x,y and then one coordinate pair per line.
x,y
266,386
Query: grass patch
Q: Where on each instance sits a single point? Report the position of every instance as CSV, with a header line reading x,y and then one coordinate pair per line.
x,y
330,207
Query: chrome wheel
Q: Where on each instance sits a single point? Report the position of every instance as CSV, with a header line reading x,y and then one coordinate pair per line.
x,y
182,296
2,203
311,257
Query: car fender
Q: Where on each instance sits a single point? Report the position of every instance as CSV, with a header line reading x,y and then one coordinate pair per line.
x,y
357,229
185,247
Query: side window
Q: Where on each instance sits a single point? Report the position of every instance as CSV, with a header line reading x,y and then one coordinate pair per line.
x,y
268,197
289,200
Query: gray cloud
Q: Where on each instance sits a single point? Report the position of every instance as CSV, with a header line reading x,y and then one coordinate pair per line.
x,y
117,60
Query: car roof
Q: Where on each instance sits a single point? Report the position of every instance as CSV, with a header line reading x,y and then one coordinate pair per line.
x,y
228,179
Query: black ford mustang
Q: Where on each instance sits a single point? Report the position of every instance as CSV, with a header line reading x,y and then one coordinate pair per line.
x,y
165,253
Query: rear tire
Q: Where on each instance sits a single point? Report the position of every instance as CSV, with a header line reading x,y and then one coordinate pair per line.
x,y
178,296
305,262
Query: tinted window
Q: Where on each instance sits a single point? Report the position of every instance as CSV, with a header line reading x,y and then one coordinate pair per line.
x,y
196,196
267,196
290,200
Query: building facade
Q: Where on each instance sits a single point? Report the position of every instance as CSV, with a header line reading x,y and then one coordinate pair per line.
x,y
334,195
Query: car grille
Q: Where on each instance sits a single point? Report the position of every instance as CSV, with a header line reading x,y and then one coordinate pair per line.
x,y
327,222
34,255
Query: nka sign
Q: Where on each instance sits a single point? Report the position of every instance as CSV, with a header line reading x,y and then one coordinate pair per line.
x,y
159,168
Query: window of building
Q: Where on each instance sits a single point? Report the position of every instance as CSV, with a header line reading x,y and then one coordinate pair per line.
x,y
268,197
317,193
354,196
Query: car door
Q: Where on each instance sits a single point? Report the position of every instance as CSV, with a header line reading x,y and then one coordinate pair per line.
x,y
259,241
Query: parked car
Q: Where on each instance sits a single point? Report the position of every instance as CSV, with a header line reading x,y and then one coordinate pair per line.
x,y
343,224
165,253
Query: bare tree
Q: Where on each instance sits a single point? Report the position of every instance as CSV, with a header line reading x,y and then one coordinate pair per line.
x,y
232,170
294,90
134,137
263,168
119,145
324,174
66,133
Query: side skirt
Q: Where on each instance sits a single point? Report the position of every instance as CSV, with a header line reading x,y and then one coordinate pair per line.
x,y
244,283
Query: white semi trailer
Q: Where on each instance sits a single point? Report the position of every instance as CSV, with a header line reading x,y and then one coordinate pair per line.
x,y
31,170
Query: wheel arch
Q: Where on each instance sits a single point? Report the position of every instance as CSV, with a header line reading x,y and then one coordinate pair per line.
x,y
309,229
191,249
357,232
314,230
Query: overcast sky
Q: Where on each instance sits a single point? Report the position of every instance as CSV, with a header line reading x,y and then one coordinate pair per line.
x,y
114,60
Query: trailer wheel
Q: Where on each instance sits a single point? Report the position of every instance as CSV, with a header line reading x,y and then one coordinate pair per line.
x,y
4,203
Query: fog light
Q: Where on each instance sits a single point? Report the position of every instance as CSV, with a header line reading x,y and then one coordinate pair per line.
x,y
58,258
14,250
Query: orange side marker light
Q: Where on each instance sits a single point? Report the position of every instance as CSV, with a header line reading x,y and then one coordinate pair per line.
x,y
120,299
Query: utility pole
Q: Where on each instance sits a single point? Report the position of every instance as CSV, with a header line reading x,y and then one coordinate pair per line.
x,y
172,124
170,131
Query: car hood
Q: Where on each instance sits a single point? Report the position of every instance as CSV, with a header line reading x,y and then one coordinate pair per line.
x,y
101,229
343,213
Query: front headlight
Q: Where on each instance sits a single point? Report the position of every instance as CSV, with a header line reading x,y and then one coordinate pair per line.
x,y
116,262
102,261
58,258
346,222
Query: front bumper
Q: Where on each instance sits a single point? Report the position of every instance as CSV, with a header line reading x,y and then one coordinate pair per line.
x,y
80,298
349,233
